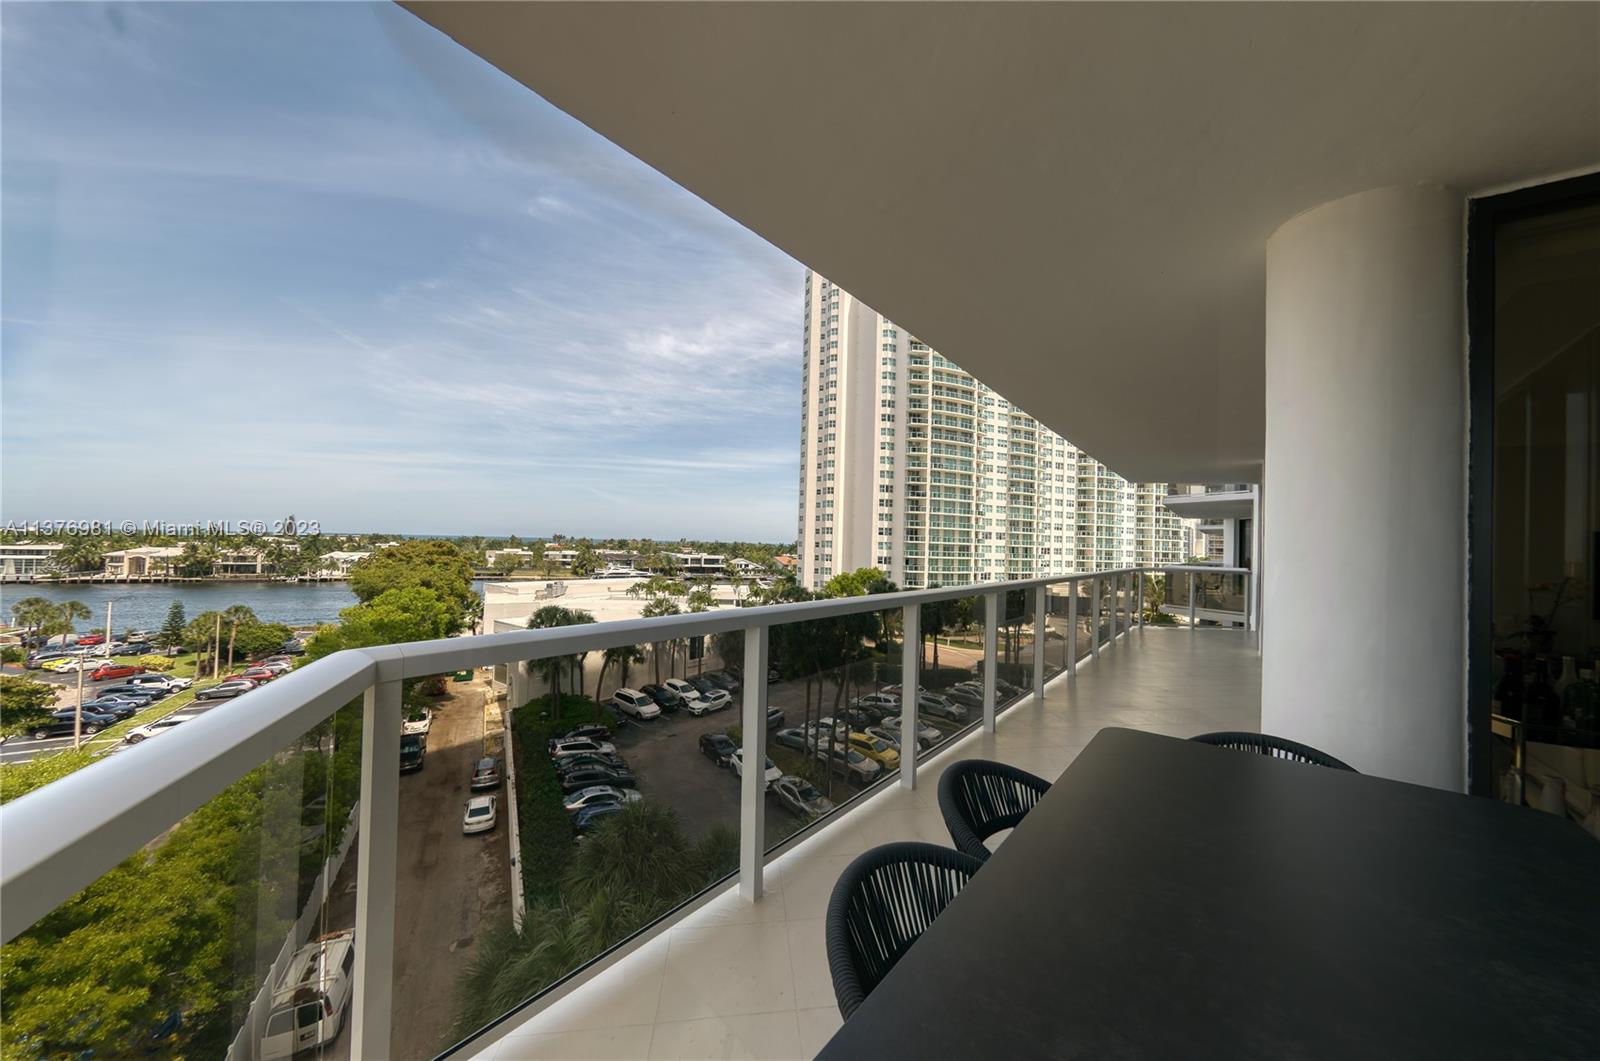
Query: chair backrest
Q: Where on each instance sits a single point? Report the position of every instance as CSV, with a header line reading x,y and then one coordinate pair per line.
x,y
1277,747
881,905
979,798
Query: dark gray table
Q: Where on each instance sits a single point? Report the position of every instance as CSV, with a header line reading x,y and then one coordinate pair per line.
x,y
1173,900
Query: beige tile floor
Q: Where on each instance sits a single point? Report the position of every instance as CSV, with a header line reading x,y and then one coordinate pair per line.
x,y
750,980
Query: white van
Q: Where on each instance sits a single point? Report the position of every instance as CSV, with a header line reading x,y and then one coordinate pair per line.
x,y
635,703
311,999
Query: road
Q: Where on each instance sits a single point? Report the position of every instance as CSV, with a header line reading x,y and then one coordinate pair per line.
x,y
449,884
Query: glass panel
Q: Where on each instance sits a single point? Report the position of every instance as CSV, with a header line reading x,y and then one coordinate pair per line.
x,y
1057,637
626,803
952,648
227,932
833,714
1014,648
1546,518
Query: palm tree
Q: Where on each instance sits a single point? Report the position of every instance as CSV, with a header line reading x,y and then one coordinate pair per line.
x,y
624,656
80,554
654,607
30,613
551,667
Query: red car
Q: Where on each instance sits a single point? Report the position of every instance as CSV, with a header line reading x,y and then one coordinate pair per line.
x,y
92,639
114,670
254,674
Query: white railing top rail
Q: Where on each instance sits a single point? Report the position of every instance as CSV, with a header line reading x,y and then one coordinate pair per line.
x,y
56,840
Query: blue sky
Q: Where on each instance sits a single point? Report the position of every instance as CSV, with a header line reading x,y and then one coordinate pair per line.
x,y
316,258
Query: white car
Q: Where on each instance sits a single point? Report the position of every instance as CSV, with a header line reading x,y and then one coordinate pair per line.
x,y
276,666
83,663
418,725
715,700
480,815
633,702
773,773
561,749
160,681
311,998
586,797
156,728
800,795
879,702
688,693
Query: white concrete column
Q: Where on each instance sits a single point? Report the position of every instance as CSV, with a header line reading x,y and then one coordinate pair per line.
x,y
1365,398
910,683
753,782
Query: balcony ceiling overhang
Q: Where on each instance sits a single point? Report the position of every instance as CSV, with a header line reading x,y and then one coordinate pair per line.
x,y
1211,507
1072,201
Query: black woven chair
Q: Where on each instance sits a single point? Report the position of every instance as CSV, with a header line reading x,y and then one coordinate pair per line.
x,y
881,905
1277,747
979,798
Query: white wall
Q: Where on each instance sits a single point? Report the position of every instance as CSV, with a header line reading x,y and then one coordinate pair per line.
x,y
1364,653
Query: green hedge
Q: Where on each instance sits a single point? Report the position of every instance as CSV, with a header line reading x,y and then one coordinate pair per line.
x,y
543,828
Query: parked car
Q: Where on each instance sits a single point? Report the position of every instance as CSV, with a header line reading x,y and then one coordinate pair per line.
x,y
255,674
480,816
566,746
76,663
588,797
877,749
718,747
800,796
485,775
227,690
156,728
665,698
715,700
312,997
877,704
43,657
772,771
147,694
686,692
704,686
590,776
609,760
845,760
792,738
131,648
725,681
278,667
294,647
121,710
775,718
592,815
90,640
161,681
61,724
953,707
633,702
419,721
413,750
591,730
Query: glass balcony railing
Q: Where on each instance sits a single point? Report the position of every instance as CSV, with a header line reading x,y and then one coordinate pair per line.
x,y
379,854
1208,594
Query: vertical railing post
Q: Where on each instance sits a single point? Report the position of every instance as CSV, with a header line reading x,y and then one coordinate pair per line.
x,y
1072,629
378,839
1116,607
753,785
1041,604
1191,599
991,662
910,663
1094,616
1139,596
517,684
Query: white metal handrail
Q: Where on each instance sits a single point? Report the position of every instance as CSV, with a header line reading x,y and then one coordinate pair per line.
x,y
60,838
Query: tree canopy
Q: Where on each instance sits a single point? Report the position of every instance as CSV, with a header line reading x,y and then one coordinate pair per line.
x,y
438,566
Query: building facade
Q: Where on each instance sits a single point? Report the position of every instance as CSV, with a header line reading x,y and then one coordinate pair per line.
x,y
910,464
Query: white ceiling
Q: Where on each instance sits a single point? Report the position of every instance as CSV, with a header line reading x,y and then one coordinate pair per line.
x,y
1071,201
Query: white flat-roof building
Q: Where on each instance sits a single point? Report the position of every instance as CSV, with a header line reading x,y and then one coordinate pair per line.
x,y
28,559
145,561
